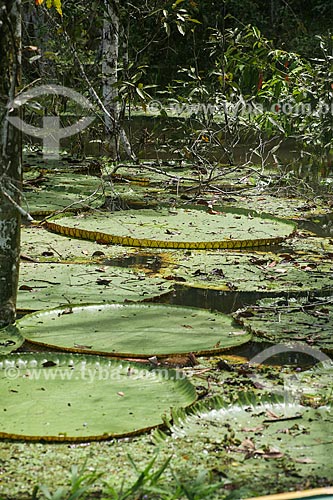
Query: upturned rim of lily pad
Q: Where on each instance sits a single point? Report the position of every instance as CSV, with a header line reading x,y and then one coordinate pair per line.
x,y
183,329
109,237
47,397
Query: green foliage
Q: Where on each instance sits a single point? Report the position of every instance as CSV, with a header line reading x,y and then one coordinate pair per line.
x,y
251,67
147,481
201,487
82,284
81,483
148,484
178,228
258,93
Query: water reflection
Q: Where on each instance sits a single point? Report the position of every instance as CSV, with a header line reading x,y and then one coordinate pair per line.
x,y
146,261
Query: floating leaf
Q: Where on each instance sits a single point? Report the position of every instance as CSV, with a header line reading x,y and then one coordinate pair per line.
x,y
139,330
61,191
47,194
176,228
37,243
44,285
313,494
61,397
289,320
252,272
179,177
312,246
255,437
315,383
292,208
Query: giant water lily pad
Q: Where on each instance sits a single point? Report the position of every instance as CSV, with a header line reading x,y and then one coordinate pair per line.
x,y
176,228
43,286
292,208
39,244
72,192
325,493
252,272
305,244
64,397
289,320
60,191
256,437
139,330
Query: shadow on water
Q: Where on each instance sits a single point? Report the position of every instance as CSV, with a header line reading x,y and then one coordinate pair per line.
x,y
139,260
293,359
225,302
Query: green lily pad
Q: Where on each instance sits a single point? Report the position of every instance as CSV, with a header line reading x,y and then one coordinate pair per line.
x,y
61,397
311,246
291,208
10,339
73,192
255,437
139,330
252,272
61,191
176,228
282,320
43,286
124,196
41,245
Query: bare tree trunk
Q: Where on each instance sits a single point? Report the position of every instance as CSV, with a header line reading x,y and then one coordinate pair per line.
x,y
110,56
10,159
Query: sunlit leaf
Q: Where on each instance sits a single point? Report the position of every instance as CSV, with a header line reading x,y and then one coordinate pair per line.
x,y
289,320
135,330
176,228
43,286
